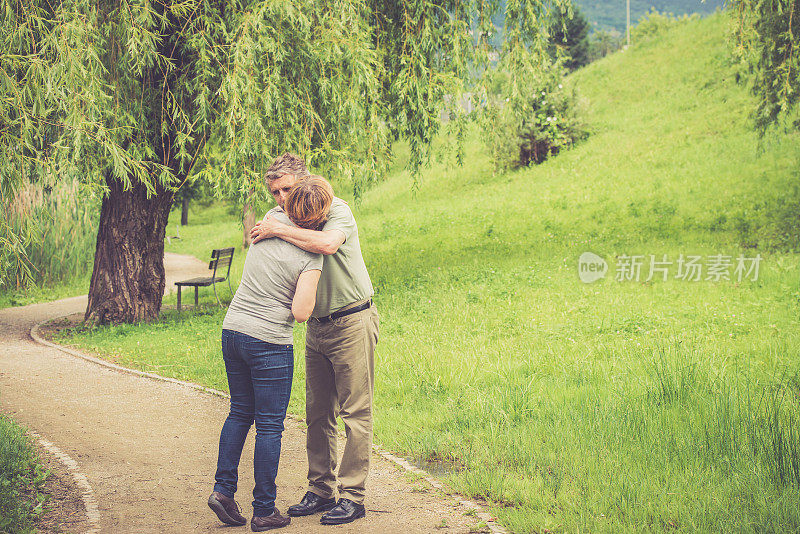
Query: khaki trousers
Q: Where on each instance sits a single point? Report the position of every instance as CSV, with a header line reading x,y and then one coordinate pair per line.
x,y
340,377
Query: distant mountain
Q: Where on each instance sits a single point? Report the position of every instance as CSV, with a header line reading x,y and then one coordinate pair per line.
x,y
610,14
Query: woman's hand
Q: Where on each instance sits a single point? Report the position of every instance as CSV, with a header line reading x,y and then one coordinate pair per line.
x,y
266,228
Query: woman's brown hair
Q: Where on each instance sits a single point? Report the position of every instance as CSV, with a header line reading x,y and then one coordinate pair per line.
x,y
309,201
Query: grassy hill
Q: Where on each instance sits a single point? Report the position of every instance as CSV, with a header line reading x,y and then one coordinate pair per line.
x,y
605,407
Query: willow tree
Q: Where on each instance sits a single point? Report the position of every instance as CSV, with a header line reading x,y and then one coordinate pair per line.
x,y
125,94
767,37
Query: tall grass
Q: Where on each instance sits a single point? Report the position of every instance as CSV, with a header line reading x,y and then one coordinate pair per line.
x,y
57,228
761,429
68,222
739,422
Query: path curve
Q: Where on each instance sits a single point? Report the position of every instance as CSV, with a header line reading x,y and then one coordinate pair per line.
x,y
148,448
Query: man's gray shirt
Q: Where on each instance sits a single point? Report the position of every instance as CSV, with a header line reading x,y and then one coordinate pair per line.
x,y
262,306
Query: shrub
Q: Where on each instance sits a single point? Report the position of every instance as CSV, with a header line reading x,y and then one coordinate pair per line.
x,y
603,43
772,224
653,24
529,121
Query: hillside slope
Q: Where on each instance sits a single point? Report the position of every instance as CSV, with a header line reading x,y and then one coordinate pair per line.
x,y
586,407
672,158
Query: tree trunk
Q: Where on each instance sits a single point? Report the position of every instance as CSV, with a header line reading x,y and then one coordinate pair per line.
x,y
128,277
248,222
184,211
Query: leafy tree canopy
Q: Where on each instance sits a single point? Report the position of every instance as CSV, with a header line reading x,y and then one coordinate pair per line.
x,y
570,35
132,89
767,34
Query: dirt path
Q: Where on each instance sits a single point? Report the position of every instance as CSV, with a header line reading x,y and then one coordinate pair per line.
x,y
148,448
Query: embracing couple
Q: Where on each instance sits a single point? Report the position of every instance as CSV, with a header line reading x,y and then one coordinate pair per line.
x,y
305,264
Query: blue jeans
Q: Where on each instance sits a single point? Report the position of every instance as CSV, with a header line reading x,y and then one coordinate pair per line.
x,y
260,382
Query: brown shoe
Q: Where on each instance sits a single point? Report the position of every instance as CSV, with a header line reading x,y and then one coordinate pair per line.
x,y
226,509
268,522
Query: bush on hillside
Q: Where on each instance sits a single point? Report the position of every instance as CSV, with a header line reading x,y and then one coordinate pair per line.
x,y
603,43
538,122
654,24
772,224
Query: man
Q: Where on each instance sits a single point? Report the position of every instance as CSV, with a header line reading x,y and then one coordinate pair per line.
x,y
340,347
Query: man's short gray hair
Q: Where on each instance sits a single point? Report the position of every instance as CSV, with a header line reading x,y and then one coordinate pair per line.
x,y
288,163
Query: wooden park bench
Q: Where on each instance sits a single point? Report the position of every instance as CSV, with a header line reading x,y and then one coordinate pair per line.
x,y
220,260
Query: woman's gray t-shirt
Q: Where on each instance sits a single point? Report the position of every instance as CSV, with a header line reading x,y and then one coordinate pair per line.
x,y
262,305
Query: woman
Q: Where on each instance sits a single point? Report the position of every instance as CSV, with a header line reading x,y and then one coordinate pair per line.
x,y
278,287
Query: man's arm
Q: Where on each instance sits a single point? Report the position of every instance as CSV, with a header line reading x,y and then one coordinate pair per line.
x,y
326,242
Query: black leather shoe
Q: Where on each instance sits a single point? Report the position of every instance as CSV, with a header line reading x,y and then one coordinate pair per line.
x,y
345,511
311,504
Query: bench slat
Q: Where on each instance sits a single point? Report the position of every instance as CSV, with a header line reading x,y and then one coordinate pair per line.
x,y
222,262
204,281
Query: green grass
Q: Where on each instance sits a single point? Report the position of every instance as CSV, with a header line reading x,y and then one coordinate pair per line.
x,y
204,232
21,476
46,293
605,407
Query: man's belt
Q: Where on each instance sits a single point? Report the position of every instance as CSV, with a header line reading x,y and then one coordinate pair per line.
x,y
343,313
